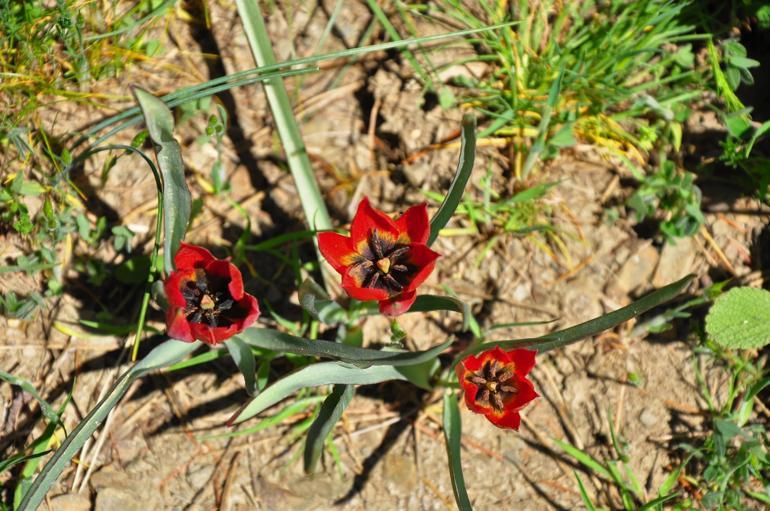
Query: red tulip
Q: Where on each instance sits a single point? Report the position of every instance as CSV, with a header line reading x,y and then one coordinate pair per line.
x,y
206,298
495,384
382,259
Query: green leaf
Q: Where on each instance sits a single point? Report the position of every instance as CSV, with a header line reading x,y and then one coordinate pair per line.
x,y
462,174
428,303
278,341
176,195
330,412
452,435
592,327
19,458
740,318
163,355
133,270
244,360
323,373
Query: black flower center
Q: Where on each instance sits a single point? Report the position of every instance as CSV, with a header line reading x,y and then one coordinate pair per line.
x,y
495,383
384,264
208,300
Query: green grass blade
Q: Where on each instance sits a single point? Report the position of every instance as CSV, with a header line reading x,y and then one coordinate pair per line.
x,y
274,340
658,502
244,360
584,458
30,389
542,130
176,195
323,373
463,173
330,413
452,435
583,494
394,35
163,355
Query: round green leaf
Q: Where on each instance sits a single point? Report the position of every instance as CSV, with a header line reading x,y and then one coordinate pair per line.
x,y
740,318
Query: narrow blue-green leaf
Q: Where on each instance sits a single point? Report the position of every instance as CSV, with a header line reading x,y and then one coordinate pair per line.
x,y
323,373
452,436
176,196
462,174
314,299
202,358
330,412
244,360
289,410
163,355
592,327
30,389
266,338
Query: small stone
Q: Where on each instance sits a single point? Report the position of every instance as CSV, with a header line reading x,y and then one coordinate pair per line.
x,y
71,502
637,270
676,261
110,499
648,418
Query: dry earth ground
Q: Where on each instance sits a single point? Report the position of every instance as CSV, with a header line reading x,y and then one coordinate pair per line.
x,y
361,122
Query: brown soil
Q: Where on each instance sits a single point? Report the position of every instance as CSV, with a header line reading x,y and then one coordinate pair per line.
x,y
360,124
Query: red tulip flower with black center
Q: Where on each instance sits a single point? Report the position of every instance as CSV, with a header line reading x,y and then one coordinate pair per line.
x,y
382,259
495,384
206,298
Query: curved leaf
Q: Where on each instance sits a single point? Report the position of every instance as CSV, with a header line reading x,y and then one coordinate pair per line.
x,y
429,303
274,340
592,327
176,195
330,412
163,355
463,173
452,436
314,299
323,373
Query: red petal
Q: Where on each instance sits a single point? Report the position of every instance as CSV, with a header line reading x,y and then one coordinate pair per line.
x,y
469,389
227,270
177,326
337,249
367,218
173,287
191,256
251,306
525,393
414,223
425,259
523,360
398,304
506,420
472,363
355,290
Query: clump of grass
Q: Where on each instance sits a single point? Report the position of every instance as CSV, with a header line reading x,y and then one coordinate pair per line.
x,y
618,76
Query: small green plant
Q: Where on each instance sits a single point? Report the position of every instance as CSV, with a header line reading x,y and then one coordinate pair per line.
x,y
670,196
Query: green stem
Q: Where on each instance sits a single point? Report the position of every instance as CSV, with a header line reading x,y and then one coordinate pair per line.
x,y
291,138
158,234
